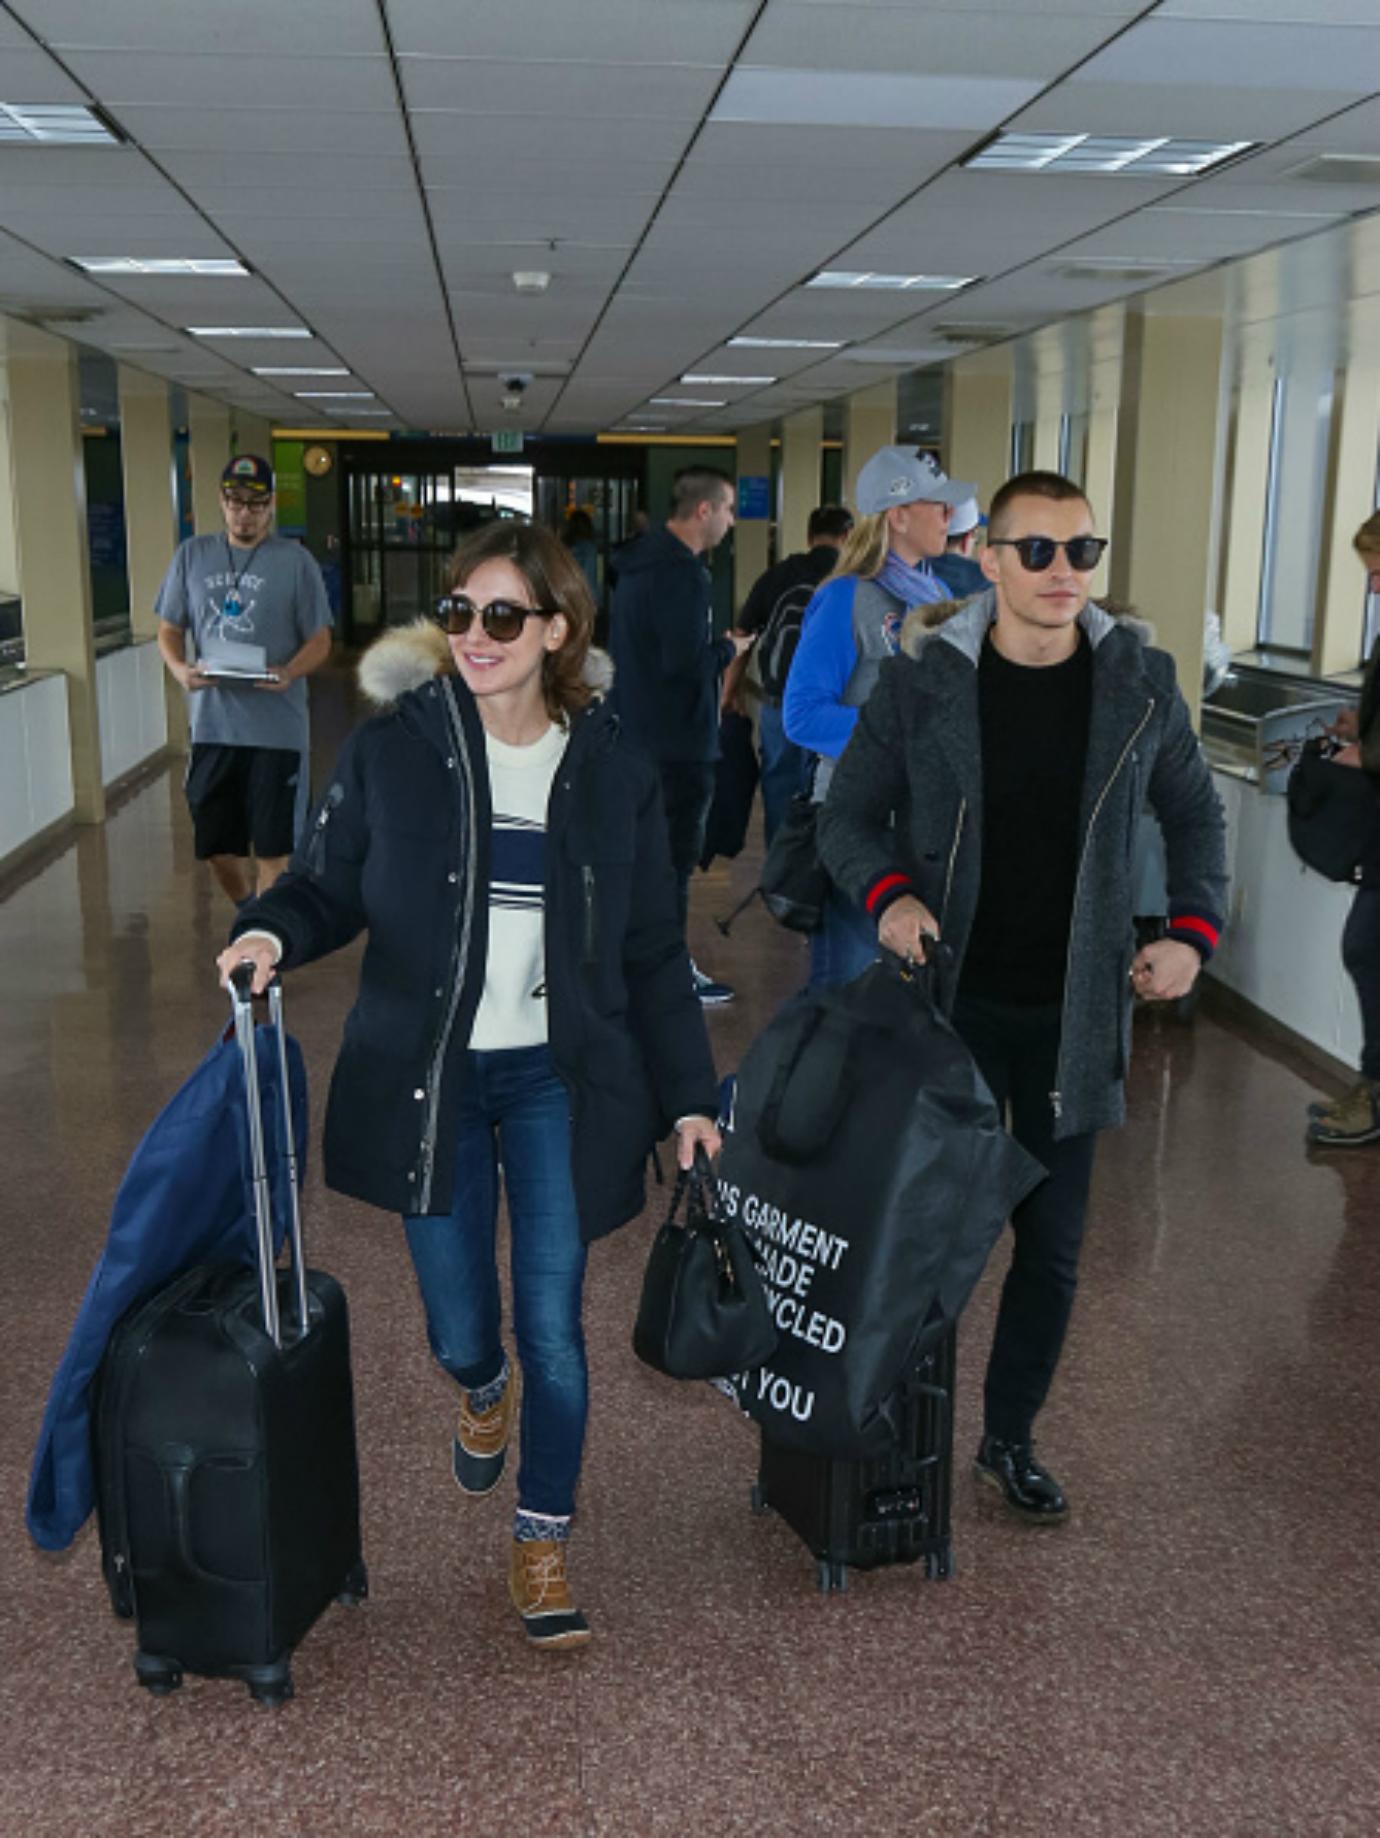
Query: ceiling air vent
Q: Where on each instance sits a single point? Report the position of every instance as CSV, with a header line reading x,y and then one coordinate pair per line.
x,y
1337,169
951,333
1115,271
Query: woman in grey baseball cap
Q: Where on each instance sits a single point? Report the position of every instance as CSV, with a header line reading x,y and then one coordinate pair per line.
x,y
904,502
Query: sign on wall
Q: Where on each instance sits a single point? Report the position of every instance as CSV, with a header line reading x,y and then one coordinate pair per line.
x,y
754,498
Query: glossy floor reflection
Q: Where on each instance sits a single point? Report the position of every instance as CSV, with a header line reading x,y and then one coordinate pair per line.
x,y
1194,1653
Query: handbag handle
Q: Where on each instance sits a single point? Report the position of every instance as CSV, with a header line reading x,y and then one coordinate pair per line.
x,y
698,1178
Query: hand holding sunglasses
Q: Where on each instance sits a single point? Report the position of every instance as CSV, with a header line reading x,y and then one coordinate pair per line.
x,y
1037,553
502,620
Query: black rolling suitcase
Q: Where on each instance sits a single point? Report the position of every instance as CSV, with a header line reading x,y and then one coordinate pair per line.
x,y
890,1509
227,1478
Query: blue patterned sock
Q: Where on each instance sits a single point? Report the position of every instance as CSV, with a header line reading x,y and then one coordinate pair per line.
x,y
484,1397
533,1528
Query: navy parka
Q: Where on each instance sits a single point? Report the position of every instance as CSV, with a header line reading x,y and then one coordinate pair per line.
x,y
399,847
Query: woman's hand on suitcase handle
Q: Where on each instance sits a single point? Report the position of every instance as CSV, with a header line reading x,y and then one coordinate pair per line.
x,y
905,927
692,1132
262,952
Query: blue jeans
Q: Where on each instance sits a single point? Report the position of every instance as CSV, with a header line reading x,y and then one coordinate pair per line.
x,y
844,945
515,1110
784,768
1361,955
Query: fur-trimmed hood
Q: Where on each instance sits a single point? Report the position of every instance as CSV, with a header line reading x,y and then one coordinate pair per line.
x,y
975,614
409,656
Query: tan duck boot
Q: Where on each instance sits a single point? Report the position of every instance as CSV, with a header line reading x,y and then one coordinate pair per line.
x,y
540,1589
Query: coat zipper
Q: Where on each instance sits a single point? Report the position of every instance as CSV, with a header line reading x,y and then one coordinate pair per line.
x,y
458,957
316,846
1056,1097
591,914
953,862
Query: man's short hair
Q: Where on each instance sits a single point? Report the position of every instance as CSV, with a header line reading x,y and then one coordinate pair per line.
x,y
1051,485
696,485
829,523
1366,541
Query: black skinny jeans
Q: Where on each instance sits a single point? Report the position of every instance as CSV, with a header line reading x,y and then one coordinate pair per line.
x,y
1017,1051
1361,955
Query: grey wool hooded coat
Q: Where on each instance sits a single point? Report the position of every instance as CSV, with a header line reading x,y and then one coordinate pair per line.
x,y
904,815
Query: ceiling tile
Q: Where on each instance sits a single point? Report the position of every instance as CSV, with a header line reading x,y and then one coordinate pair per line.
x,y
970,41
307,81
613,32
1195,111
33,76
1272,57
298,129
873,99
198,26
491,87
550,140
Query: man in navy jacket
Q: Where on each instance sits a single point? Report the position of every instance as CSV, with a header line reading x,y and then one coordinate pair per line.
x,y
668,664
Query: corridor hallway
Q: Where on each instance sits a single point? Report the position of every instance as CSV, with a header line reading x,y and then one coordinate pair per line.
x,y
1195,1652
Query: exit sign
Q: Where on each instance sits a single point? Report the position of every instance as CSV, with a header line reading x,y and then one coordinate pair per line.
x,y
507,440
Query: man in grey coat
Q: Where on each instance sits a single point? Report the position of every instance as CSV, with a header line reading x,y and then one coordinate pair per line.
x,y
989,796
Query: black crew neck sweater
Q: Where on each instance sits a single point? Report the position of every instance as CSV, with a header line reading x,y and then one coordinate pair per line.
x,y
1034,729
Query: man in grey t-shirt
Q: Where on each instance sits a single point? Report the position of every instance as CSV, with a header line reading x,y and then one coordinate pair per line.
x,y
256,607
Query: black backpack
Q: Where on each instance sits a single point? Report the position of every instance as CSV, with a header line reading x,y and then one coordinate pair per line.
x,y
1334,817
780,636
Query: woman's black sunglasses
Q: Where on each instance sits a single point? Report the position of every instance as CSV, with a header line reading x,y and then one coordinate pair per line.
x,y
501,619
1038,552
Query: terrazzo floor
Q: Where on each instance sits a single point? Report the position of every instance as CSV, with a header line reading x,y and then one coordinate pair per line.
x,y
1194,1652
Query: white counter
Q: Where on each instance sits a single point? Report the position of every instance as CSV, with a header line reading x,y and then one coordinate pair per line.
x,y
1282,949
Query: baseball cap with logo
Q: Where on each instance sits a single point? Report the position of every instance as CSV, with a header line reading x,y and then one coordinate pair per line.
x,y
905,475
248,473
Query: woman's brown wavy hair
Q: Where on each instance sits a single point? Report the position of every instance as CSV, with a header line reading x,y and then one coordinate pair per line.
x,y
557,585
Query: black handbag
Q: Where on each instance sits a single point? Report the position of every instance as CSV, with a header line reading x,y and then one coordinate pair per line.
x,y
1334,817
703,1311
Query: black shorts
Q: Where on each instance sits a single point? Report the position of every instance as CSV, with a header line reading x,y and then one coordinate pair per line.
x,y
243,800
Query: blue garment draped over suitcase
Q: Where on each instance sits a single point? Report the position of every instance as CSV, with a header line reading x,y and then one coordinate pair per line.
x,y
186,1199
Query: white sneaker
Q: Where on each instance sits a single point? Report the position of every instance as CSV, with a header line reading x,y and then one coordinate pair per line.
x,y
710,993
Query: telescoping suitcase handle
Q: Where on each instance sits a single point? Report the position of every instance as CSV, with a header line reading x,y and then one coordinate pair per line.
x,y
242,1006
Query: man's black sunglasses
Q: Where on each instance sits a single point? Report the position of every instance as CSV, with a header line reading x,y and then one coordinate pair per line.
x,y
1038,552
501,619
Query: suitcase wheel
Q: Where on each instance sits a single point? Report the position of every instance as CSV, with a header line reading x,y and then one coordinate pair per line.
x,y
160,1676
355,1588
758,1498
269,1685
833,1578
940,1563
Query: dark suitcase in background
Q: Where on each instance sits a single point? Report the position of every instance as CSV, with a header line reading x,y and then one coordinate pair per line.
x,y
227,1477
891,1509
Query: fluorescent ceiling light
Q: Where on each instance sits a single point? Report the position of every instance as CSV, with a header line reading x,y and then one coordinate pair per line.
x,y
247,331
746,382
933,283
131,264
1152,156
354,413
682,402
334,395
299,370
531,280
788,344
54,125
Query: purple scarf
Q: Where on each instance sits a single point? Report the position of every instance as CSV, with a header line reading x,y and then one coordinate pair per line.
x,y
912,586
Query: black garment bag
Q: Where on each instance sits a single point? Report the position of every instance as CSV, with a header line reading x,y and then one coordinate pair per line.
x,y
866,1158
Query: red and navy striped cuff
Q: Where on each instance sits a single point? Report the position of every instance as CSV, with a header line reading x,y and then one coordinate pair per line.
x,y
1193,926
881,894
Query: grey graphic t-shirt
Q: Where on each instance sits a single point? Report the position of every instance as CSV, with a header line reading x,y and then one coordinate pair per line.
x,y
271,596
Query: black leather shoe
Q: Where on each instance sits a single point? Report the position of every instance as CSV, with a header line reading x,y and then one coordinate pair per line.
x,y
1028,1487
